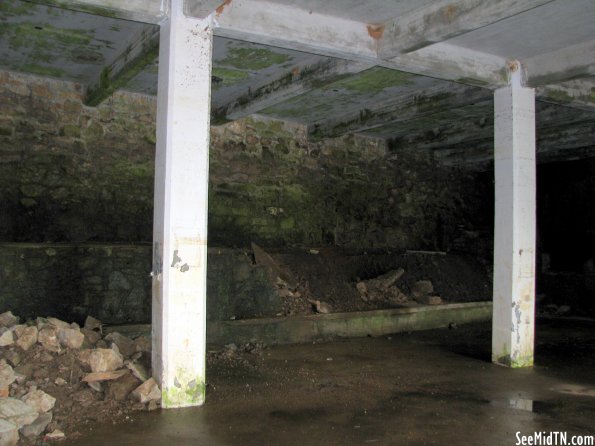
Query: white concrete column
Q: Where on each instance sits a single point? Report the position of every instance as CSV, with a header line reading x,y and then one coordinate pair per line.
x,y
180,216
514,231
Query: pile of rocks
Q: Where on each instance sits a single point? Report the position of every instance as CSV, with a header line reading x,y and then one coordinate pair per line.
x,y
54,374
383,288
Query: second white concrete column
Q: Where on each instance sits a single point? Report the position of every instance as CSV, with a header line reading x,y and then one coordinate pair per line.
x,y
514,231
180,216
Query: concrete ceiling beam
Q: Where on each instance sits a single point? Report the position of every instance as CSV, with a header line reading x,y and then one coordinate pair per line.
x,y
288,26
445,19
578,93
400,109
147,11
450,62
565,64
202,8
294,82
143,50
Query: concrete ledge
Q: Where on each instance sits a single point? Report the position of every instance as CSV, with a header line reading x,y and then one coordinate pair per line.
x,y
321,327
325,327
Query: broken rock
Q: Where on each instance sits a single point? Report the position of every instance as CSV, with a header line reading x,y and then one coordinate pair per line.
x,y
38,426
71,337
9,433
142,344
120,388
92,324
39,400
6,338
17,412
91,337
56,434
138,370
27,337
48,338
58,323
7,319
147,391
421,289
105,360
7,375
126,345
103,376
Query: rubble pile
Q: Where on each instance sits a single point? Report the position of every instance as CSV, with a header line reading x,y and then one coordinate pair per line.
x,y
55,376
383,288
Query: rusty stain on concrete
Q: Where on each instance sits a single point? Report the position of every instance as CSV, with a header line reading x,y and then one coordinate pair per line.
x,y
376,31
221,7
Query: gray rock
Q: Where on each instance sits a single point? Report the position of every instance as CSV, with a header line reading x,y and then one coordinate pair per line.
x,y
71,337
6,338
142,344
58,323
7,319
421,289
139,370
48,338
92,324
147,391
9,433
7,375
91,337
17,412
39,400
38,426
120,388
27,338
105,360
126,346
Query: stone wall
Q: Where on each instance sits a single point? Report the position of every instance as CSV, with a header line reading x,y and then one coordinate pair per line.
x,y
70,173
113,283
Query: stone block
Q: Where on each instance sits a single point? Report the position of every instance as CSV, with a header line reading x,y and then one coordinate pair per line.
x,y
7,319
27,338
9,433
105,360
38,426
7,375
17,412
71,337
39,400
147,391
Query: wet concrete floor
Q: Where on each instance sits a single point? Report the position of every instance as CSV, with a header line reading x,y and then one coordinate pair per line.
x,y
425,388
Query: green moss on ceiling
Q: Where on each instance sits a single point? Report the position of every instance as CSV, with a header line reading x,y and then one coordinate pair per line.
x,y
227,76
42,70
252,58
14,8
373,80
43,36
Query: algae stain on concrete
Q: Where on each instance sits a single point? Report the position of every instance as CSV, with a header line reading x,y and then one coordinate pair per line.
x,y
185,392
43,36
252,58
373,80
42,70
228,76
16,9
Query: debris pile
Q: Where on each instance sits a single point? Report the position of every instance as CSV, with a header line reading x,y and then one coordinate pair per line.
x,y
383,288
55,376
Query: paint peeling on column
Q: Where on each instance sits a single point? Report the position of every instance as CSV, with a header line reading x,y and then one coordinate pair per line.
x,y
176,259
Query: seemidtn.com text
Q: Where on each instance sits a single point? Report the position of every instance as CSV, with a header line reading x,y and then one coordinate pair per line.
x,y
554,439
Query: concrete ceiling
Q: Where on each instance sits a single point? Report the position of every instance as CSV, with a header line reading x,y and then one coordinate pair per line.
x,y
418,73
